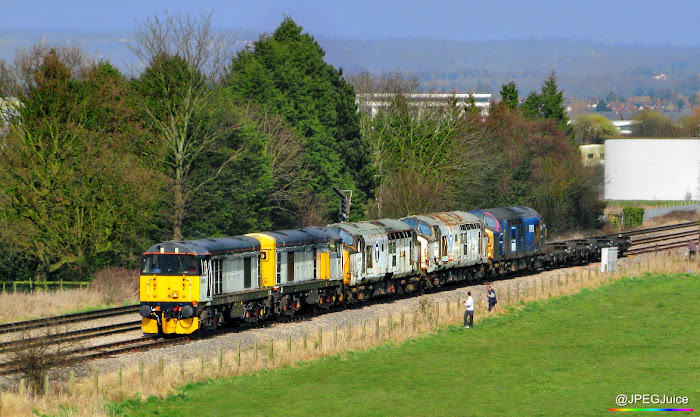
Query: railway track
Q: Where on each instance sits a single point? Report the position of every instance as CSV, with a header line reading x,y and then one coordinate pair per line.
x,y
65,319
650,230
71,336
642,241
661,238
79,355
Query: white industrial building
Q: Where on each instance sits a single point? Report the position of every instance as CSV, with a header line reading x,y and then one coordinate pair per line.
x,y
373,102
652,169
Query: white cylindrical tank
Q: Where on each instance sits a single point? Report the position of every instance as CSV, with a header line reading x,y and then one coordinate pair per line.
x,y
652,169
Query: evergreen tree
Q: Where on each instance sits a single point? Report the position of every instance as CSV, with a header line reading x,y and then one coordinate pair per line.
x,y
602,106
509,95
286,72
549,104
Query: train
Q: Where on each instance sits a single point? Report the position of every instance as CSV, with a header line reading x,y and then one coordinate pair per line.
x,y
199,285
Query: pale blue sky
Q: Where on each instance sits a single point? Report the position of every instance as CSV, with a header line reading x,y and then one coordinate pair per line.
x,y
645,22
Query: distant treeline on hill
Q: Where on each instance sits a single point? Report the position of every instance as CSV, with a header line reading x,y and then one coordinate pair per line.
x,y
584,69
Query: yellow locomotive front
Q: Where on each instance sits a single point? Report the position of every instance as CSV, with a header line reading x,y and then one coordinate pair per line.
x,y
170,290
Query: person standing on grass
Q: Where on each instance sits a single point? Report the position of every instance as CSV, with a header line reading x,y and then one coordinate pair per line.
x,y
692,248
492,297
469,313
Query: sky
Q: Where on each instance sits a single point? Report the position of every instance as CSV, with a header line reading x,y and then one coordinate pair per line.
x,y
643,22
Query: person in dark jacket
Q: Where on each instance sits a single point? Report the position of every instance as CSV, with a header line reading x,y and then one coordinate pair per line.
x,y
492,297
692,249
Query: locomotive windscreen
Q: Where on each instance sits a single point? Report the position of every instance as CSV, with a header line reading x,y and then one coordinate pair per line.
x,y
169,264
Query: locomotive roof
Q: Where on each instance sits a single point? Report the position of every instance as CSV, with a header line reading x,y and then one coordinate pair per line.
x,y
393,225
509,213
360,228
446,218
304,236
207,246
454,217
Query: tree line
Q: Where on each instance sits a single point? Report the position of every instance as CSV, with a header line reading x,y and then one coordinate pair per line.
x,y
96,165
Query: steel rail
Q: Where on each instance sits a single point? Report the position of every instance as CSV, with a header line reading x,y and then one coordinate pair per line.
x,y
101,351
68,318
72,336
663,238
656,229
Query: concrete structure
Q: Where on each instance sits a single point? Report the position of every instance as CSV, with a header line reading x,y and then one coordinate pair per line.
x,y
652,169
373,102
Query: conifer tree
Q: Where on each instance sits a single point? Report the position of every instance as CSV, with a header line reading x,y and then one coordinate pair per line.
x,y
549,104
509,95
285,71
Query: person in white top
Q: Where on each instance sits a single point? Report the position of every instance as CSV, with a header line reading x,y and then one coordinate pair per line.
x,y
469,313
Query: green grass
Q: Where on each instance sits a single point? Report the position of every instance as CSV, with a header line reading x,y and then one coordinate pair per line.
x,y
565,356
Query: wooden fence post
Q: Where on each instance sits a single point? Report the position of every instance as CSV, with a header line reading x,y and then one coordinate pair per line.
x,y
220,355
335,336
349,334
201,363
182,368
46,385
542,291
161,366
320,338
289,343
141,370
22,385
304,337
376,329
255,351
238,354
119,374
96,380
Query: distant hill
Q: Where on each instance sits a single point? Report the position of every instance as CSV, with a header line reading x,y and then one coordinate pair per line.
x,y
584,69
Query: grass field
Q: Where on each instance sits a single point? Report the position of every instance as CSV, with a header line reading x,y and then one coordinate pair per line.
x,y
566,356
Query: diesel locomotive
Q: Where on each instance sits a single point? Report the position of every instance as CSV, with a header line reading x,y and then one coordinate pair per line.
x,y
190,285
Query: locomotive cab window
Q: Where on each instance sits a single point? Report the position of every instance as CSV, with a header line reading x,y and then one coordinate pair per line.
x,y
169,264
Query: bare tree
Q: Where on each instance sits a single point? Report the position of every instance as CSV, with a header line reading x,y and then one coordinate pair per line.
x,y
35,356
376,96
184,58
189,37
19,76
285,153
